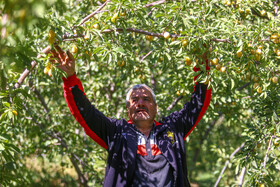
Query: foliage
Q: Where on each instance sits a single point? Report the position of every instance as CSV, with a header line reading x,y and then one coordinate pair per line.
x,y
113,53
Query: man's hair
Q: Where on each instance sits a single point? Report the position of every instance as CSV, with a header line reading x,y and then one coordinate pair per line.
x,y
136,87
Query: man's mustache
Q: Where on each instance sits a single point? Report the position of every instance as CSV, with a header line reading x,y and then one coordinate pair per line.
x,y
141,109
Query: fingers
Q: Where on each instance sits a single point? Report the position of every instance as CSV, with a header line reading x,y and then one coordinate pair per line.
x,y
54,58
62,55
65,61
71,57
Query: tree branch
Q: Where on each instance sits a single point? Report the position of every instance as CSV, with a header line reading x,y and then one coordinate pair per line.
x,y
227,162
26,72
174,102
221,40
146,55
154,3
92,14
244,86
221,117
241,177
276,8
81,177
269,145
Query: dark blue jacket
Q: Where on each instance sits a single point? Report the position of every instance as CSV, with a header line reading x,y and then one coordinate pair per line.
x,y
119,137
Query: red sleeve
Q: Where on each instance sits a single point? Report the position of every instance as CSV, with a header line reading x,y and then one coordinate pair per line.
x,y
94,122
188,117
206,101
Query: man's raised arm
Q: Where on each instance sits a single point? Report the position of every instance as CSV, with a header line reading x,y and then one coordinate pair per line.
x,y
96,125
188,117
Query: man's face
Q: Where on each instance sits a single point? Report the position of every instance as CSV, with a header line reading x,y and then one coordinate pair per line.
x,y
141,106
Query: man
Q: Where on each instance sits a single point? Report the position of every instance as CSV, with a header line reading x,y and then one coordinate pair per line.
x,y
141,151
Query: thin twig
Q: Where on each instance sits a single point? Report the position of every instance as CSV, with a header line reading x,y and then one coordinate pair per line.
x,y
269,145
174,102
227,162
244,86
221,40
146,55
151,11
169,23
92,14
26,72
276,8
154,3
241,177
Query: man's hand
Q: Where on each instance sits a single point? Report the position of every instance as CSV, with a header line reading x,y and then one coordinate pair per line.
x,y
66,60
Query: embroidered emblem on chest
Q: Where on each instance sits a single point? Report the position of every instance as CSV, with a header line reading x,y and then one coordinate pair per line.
x,y
170,135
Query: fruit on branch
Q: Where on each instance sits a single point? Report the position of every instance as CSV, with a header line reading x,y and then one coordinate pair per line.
x,y
160,59
223,69
188,60
166,35
255,85
47,68
257,57
214,61
95,26
241,11
121,63
248,76
88,53
274,80
263,13
74,49
122,14
276,142
277,51
184,42
15,112
149,37
50,72
259,90
239,54
258,51
218,66
51,37
113,20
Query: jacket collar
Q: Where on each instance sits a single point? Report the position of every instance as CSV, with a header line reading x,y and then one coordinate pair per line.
x,y
156,123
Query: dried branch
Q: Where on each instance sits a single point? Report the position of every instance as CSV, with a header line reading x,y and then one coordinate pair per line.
x,y
92,14
146,55
244,86
169,23
81,177
221,40
227,162
241,177
269,145
151,11
174,102
276,8
26,72
154,3
137,31
4,21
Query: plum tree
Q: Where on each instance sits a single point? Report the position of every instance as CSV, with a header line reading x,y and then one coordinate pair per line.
x,y
119,43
